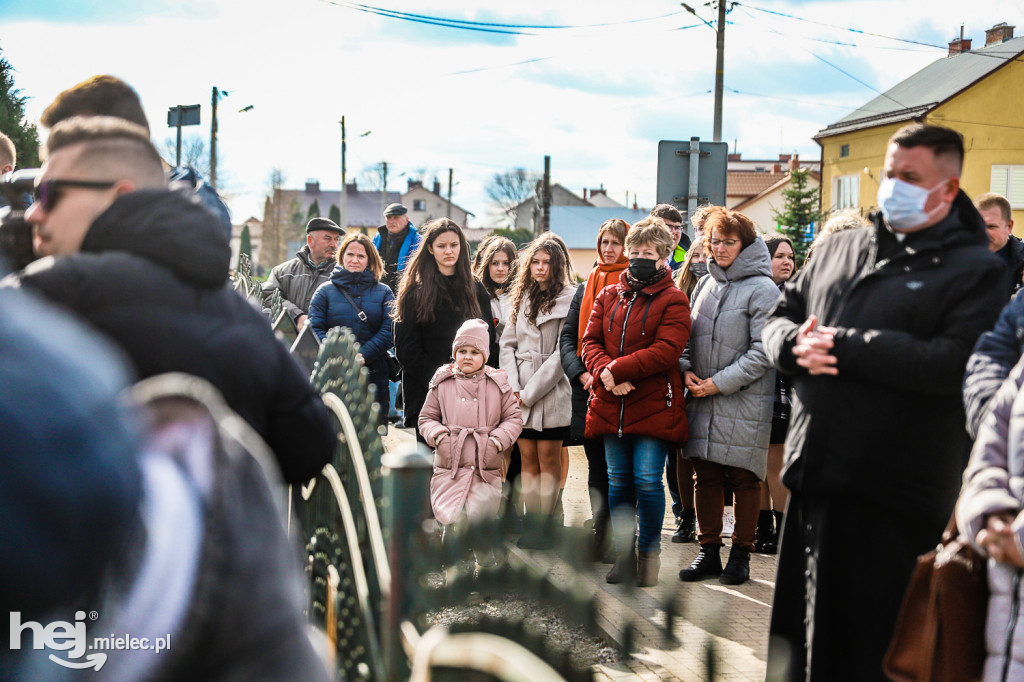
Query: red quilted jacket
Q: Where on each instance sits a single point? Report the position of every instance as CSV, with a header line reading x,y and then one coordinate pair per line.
x,y
639,337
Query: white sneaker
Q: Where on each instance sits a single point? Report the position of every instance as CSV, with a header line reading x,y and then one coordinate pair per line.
x,y
728,522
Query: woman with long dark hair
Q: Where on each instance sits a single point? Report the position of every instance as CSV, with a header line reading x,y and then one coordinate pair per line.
x,y
529,354
437,294
495,268
355,298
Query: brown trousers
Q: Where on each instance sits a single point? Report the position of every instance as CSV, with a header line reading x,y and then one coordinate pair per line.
x,y
710,502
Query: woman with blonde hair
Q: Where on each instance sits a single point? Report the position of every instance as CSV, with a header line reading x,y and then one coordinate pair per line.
x,y
529,354
355,298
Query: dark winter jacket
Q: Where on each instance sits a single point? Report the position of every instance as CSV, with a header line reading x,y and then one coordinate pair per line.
x,y
638,337
572,364
393,269
422,348
889,427
152,275
329,308
1013,255
297,279
994,356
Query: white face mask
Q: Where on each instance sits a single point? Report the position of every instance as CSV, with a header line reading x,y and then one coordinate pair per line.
x,y
902,204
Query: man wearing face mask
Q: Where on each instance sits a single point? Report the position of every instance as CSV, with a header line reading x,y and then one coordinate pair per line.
x,y
875,332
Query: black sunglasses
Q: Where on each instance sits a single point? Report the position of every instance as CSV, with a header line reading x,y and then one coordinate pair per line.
x,y
48,192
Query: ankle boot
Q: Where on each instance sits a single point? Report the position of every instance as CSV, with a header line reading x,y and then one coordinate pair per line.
x,y
764,535
737,571
707,564
624,568
648,566
687,529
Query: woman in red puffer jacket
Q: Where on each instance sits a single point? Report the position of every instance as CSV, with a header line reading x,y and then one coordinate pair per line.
x,y
636,333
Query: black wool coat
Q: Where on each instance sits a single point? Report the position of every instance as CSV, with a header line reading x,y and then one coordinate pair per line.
x,y
152,275
890,427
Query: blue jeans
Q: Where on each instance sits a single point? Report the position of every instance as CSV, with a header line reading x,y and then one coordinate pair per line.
x,y
636,465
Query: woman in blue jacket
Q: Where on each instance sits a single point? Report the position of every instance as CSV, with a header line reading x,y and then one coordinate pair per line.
x,y
355,298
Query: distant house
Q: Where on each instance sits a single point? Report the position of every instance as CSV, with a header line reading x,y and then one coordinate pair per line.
x,y
528,213
255,226
758,195
578,225
424,205
975,92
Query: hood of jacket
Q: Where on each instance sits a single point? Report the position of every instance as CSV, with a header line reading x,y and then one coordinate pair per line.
x,y
352,280
167,228
963,226
448,371
753,260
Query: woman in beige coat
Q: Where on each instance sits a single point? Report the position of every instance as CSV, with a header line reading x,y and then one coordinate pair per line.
x,y
529,354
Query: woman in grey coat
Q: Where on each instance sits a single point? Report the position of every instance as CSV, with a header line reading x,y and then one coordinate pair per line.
x,y
990,514
731,384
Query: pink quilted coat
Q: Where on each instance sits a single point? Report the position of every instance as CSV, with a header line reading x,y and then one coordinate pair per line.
x,y
470,409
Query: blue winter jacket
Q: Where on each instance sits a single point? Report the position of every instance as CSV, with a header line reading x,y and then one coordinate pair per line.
x,y
408,250
330,309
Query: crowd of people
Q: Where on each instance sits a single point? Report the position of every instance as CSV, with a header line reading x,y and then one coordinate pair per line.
x,y
822,404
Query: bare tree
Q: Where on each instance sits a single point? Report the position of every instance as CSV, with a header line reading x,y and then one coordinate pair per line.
x,y
510,189
274,219
194,153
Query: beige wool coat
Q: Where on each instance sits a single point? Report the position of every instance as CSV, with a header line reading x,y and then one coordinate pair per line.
x,y
529,355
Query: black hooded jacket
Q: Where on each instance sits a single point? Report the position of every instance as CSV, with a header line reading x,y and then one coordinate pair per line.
x,y
153,275
890,427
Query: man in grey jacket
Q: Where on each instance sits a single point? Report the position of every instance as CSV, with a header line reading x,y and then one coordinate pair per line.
x,y
297,279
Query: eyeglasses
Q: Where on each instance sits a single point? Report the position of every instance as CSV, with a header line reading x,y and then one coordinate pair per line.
x,y
48,192
728,243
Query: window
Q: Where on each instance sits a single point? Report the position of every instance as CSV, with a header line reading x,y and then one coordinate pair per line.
x,y
844,150
846,192
419,204
1009,181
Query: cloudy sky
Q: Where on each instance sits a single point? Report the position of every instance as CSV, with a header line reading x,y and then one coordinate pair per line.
x,y
595,85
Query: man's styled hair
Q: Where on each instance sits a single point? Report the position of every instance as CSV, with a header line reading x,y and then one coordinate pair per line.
x,y
112,145
667,212
97,96
651,231
991,200
8,152
944,142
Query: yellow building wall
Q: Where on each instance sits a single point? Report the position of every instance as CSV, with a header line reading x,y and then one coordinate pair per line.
x,y
990,116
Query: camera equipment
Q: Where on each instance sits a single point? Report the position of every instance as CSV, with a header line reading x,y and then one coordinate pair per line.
x,y
16,234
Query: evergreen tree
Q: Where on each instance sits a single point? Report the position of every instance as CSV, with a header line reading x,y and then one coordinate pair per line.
x,y
12,119
314,210
245,244
799,212
334,213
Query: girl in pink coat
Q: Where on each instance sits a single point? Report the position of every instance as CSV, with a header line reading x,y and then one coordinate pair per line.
x,y
470,416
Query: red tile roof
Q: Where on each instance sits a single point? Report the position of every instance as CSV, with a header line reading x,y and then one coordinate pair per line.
x,y
749,183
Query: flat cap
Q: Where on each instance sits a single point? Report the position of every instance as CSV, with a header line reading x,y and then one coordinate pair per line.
x,y
395,209
322,223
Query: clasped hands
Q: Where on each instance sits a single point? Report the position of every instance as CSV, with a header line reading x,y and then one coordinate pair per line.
x,y
700,388
609,384
813,347
999,539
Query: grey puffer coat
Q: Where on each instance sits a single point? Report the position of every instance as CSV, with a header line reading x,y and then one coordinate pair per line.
x,y
729,310
994,482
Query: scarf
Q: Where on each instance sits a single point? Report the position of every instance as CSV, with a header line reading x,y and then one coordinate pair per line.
x,y
641,284
601,276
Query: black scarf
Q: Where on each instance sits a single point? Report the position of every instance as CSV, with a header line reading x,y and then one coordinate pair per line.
x,y
640,284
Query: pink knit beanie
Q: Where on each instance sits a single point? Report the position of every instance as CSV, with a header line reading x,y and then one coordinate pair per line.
x,y
473,333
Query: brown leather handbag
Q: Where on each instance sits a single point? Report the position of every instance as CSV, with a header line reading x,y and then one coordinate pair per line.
x,y
940,632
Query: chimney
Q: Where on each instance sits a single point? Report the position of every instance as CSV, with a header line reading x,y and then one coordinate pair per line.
x,y
734,157
413,184
794,162
776,168
595,192
961,44
350,187
437,187
584,194
312,186
999,33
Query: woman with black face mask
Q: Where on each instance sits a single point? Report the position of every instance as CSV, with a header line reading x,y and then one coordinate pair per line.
x,y
635,335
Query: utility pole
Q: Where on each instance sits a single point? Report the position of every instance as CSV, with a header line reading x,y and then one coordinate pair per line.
x,y
213,139
384,186
719,70
450,194
344,187
546,220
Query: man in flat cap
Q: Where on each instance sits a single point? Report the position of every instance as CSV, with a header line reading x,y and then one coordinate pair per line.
x,y
396,241
299,277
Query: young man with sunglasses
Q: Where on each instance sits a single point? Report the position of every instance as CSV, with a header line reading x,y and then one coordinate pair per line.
x,y
146,265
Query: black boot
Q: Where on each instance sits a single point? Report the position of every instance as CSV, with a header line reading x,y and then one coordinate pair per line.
x,y
737,571
708,564
764,537
687,529
624,568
